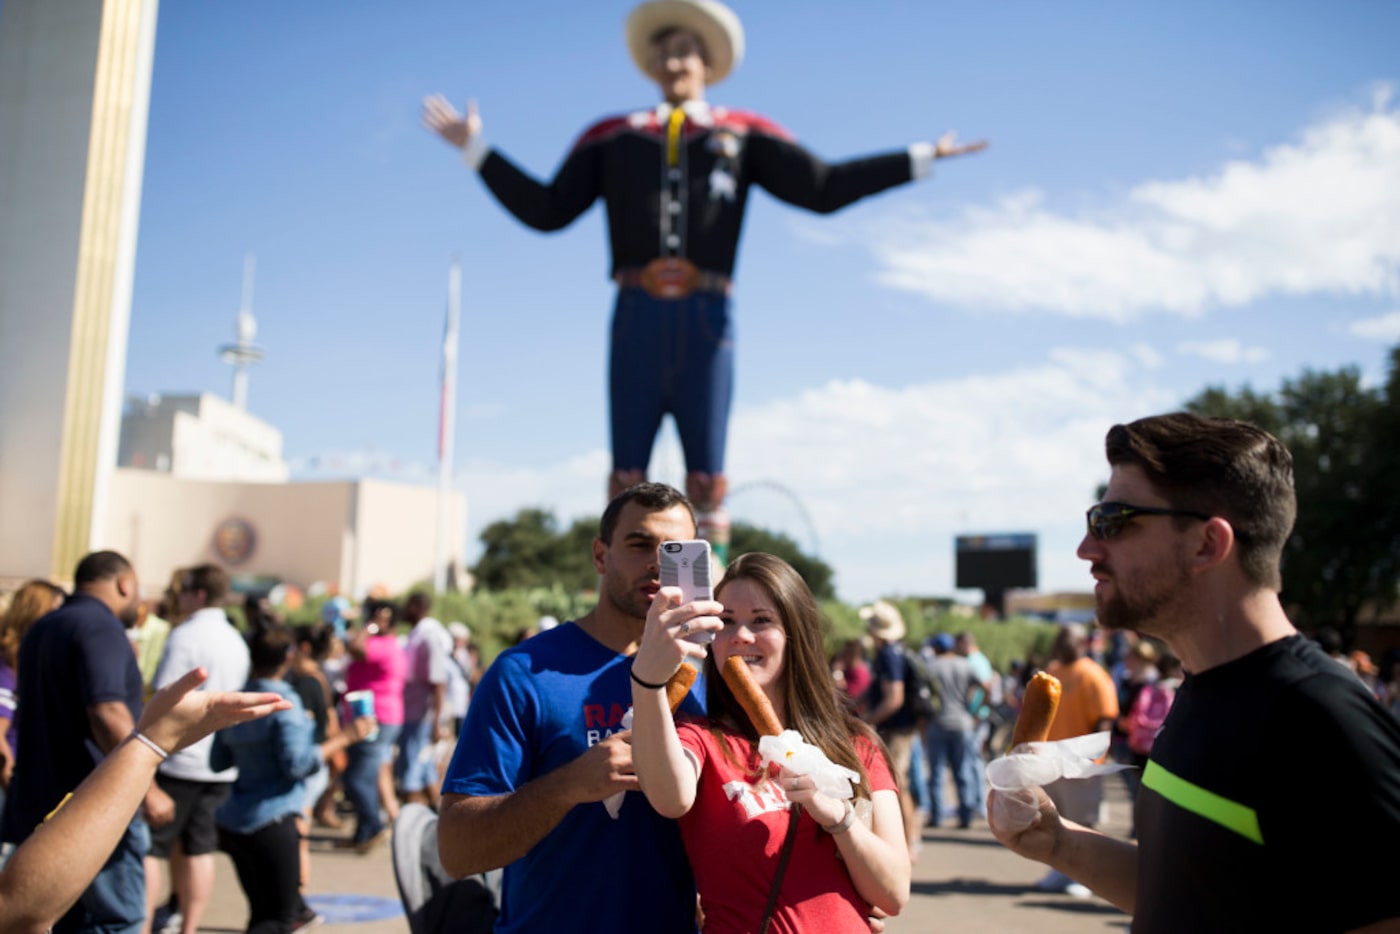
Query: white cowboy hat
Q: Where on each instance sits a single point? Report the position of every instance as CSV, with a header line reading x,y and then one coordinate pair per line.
x,y
883,621
716,25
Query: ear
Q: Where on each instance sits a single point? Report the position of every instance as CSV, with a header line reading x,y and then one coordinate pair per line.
x,y
126,585
1217,544
600,552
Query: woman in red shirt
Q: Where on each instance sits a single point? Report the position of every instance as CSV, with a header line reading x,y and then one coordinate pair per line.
x,y
848,856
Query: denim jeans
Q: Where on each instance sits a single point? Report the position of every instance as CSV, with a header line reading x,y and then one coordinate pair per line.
x,y
957,750
115,902
361,779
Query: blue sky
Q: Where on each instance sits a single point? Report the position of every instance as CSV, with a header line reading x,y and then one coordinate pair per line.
x,y
1176,195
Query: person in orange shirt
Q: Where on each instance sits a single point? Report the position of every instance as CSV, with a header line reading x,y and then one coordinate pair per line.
x,y
1088,704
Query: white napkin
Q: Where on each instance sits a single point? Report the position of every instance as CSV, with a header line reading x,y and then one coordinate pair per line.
x,y
1033,764
800,757
613,802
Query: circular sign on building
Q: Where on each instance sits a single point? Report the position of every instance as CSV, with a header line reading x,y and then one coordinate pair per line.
x,y
234,540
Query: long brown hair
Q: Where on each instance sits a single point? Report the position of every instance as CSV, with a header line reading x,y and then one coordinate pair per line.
x,y
810,694
30,602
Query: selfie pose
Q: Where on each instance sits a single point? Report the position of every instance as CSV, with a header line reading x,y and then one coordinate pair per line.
x,y
676,179
766,845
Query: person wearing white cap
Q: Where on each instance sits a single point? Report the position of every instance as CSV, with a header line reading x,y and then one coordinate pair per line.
x,y
676,179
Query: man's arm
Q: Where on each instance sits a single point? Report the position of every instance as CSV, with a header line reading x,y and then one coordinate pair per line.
x,y
48,873
544,207
1036,831
891,700
111,723
480,833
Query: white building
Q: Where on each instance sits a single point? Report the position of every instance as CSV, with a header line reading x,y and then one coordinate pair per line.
x,y
200,479
200,437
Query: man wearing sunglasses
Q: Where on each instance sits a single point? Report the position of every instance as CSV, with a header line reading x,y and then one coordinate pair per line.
x,y
1275,764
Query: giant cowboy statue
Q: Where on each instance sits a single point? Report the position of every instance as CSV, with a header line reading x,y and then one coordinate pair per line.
x,y
676,179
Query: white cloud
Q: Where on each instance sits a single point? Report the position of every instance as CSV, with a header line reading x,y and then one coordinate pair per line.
x,y
1384,328
1320,214
1225,350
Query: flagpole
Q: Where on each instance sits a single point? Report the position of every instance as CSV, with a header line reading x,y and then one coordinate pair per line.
x,y
447,423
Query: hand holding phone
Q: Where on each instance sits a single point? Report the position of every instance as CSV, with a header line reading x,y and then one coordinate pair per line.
x,y
686,564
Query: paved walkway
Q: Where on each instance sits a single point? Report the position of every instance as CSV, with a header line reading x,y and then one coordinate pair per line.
x,y
964,881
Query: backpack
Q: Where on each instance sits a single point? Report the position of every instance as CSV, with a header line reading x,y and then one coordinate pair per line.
x,y
921,697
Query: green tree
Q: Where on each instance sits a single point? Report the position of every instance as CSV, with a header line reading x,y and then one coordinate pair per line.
x,y
529,551
1344,553
745,538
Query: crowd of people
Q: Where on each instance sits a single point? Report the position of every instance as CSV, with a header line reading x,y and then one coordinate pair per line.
x,y
76,669
822,799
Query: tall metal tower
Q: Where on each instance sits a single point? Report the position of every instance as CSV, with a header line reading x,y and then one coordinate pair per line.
x,y
243,353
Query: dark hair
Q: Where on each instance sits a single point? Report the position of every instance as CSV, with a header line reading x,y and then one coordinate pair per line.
x,y
420,599
1220,467
810,694
100,566
267,649
210,578
374,607
654,497
316,635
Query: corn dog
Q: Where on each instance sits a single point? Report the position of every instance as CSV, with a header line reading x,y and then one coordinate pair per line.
x,y
750,696
678,686
1038,708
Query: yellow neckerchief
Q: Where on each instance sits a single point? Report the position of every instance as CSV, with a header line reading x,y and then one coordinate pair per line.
x,y
673,136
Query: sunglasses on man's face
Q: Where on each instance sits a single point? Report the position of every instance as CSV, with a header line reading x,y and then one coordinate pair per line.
x,y
1108,519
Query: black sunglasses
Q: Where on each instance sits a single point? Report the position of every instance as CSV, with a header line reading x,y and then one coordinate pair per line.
x,y
1108,519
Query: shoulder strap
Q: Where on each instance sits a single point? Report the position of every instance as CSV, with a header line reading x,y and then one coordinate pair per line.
x,y
783,857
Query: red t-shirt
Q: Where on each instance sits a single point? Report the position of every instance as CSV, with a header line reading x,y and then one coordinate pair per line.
x,y
734,833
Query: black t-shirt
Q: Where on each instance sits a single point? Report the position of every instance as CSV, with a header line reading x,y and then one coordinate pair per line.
x,y
889,665
71,659
1269,800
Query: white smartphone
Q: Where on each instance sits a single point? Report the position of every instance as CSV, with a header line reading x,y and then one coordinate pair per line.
x,y
687,565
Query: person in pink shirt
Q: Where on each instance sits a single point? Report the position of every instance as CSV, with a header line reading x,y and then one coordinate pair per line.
x,y
378,665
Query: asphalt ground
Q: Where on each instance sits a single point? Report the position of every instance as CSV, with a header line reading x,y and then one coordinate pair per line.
x,y
964,881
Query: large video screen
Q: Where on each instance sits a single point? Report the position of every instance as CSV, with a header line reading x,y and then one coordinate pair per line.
x,y
996,562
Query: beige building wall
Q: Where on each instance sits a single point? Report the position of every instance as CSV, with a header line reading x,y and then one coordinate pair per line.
x,y
351,534
74,87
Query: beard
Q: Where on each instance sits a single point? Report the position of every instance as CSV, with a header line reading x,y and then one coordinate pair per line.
x,y
627,597
1144,605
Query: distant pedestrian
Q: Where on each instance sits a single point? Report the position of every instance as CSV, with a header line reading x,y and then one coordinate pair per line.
x,y
377,665
951,737
425,710
183,830
272,758
81,694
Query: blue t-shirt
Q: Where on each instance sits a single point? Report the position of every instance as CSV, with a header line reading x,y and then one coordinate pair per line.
x,y
71,659
541,705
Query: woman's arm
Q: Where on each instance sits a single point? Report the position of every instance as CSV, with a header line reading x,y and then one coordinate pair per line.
x,y
877,857
667,774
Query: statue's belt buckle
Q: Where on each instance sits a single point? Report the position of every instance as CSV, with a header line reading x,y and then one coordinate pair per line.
x,y
670,277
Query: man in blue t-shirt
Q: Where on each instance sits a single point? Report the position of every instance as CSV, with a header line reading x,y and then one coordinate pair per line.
x,y
542,749
81,690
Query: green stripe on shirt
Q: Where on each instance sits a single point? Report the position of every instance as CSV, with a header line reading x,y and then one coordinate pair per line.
x,y
1228,814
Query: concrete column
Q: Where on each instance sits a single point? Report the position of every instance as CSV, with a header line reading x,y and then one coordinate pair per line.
x,y
75,78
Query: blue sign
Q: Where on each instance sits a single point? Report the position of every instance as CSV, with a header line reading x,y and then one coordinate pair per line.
x,y
348,909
